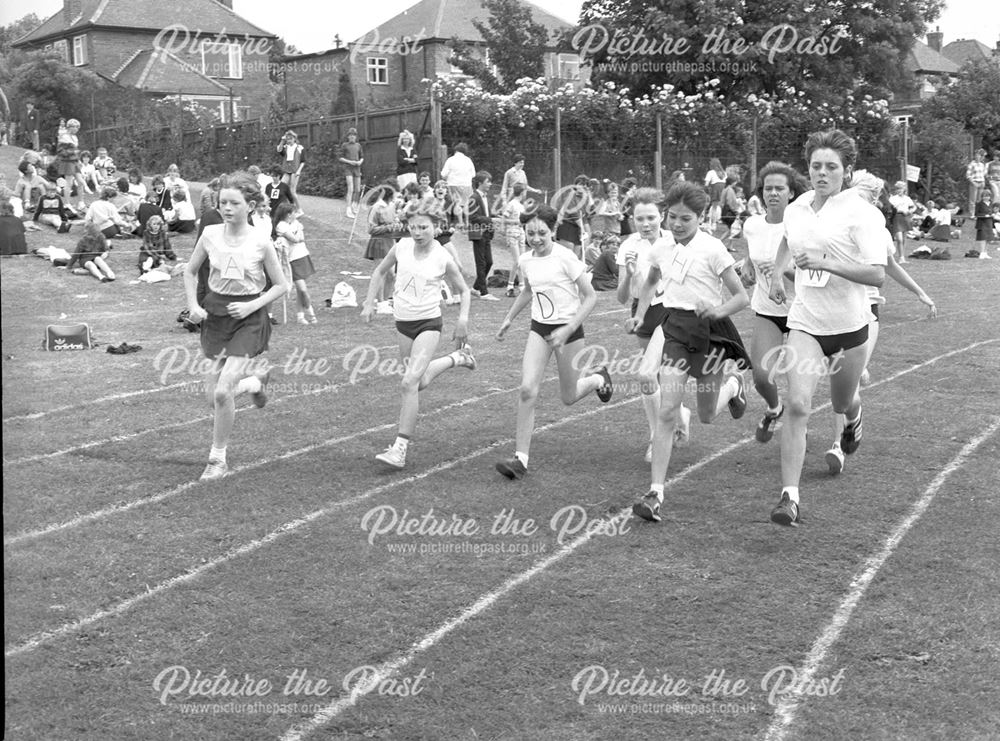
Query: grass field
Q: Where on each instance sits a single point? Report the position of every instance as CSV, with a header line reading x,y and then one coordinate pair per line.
x,y
311,594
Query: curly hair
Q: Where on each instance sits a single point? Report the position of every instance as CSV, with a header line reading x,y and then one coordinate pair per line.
x,y
244,182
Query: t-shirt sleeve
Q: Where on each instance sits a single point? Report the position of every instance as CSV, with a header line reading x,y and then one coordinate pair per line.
x,y
573,266
869,235
719,258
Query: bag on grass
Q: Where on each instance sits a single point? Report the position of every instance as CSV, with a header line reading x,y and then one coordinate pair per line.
x,y
343,296
498,279
940,253
60,337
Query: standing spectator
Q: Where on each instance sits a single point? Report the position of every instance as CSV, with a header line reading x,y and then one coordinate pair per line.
x,y
715,182
277,192
984,224
406,160
993,176
293,159
481,233
352,157
975,173
29,126
458,172
512,177
607,218
68,153
903,207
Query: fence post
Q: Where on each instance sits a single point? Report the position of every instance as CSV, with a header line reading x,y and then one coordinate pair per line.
x,y
753,154
557,154
658,157
436,162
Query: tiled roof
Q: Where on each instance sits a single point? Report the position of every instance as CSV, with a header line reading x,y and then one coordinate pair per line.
x,y
158,71
443,19
207,16
922,59
967,50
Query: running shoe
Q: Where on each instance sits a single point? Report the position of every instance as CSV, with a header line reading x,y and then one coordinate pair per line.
x,y
301,318
835,460
850,438
465,357
214,470
605,390
682,432
648,508
767,422
259,398
488,297
392,456
787,511
512,469
738,404
311,317
511,293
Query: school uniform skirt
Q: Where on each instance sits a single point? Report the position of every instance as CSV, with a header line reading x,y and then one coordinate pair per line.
x,y
222,333
302,268
378,247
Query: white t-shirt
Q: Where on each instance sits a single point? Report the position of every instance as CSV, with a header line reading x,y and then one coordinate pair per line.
x,y
763,240
236,270
874,297
555,295
184,210
902,203
417,292
642,248
296,249
847,229
693,272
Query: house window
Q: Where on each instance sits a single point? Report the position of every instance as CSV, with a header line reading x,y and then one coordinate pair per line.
x,y
79,50
568,67
222,60
378,70
62,47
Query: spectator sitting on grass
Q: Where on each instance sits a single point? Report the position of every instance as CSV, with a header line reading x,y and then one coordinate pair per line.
x,y
30,186
91,252
126,206
604,274
51,210
184,217
104,214
155,245
147,209
12,240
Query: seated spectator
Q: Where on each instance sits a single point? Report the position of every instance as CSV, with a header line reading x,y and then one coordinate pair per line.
x,y
104,214
605,270
148,209
155,246
175,182
127,207
51,210
184,216
91,252
12,240
136,188
30,186
262,178
104,165
91,180
163,196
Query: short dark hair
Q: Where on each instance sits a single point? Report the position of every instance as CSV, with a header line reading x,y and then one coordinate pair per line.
x,y
462,147
518,157
690,194
834,139
481,177
544,213
282,210
276,170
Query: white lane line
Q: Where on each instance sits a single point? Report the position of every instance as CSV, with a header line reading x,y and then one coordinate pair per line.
x,y
39,639
784,714
101,400
393,666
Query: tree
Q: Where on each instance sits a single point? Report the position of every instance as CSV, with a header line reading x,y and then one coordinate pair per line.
x,y
972,99
13,31
515,44
761,47
941,148
57,89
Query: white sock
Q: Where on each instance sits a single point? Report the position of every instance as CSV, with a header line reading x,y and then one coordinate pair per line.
x,y
523,457
217,454
248,385
402,442
658,490
775,411
792,492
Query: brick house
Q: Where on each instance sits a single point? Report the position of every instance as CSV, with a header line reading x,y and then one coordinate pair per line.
x,y
387,65
926,68
219,60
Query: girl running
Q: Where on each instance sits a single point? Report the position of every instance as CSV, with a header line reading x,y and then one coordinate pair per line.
x,y
421,265
556,284
234,323
838,243
779,184
698,336
634,259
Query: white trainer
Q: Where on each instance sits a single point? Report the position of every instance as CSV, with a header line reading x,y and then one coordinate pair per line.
x,y
392,456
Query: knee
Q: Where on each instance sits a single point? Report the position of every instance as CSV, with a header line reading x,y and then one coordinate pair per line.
x,y
798,408
221,394
409,384
529,394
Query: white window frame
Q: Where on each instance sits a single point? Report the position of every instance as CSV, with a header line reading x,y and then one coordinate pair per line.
x,y
234,62
570,60
80,50
376,65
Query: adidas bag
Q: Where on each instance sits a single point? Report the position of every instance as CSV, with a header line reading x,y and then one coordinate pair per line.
x,y
343,296
67,337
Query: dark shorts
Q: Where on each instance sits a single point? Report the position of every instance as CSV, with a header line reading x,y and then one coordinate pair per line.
x,y
700,347
831,344
696,363
781,322
569,231
111,231
184,227
875,311
302,268
247,337
544,330
413,328
68,168
655,315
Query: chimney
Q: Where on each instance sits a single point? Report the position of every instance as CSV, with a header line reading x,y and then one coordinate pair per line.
x,y
934,39
72,9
